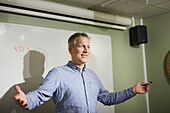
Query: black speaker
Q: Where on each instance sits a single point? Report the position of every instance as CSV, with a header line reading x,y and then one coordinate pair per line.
x,y
138,35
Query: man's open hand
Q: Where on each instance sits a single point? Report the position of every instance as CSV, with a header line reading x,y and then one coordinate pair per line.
x,y
20,97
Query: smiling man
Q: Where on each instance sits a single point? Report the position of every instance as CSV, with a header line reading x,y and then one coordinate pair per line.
x,y
73,87
79,49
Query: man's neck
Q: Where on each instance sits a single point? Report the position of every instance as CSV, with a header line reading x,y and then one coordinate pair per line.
x,y
79,65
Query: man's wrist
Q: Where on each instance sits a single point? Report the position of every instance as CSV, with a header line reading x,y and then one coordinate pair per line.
x,y
134,90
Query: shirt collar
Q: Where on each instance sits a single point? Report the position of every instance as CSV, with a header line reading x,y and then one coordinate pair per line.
x,y
75,67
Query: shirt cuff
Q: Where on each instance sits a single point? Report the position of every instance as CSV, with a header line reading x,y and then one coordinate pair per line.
x,y
132,91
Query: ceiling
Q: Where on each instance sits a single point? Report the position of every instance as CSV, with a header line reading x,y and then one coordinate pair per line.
x,y
136,8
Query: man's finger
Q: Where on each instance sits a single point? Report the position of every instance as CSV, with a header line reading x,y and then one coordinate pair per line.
x,y
142,82
24,105
18,90
16,97
17,101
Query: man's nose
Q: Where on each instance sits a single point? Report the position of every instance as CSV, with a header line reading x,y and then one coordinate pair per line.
x,y
85,49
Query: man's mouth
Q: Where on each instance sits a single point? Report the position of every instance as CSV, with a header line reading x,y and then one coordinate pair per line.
x,y
84,55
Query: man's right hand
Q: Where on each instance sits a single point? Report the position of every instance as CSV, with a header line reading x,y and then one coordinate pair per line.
x,y
20,97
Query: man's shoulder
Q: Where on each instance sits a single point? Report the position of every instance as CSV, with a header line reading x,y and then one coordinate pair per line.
x,y
58,68
56,72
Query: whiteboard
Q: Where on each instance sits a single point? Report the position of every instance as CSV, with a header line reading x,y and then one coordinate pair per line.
x,y
27,53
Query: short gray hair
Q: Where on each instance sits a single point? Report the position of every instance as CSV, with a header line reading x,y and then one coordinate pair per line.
x,y
72,38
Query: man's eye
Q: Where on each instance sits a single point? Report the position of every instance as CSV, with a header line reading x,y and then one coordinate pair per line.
x,y
80,46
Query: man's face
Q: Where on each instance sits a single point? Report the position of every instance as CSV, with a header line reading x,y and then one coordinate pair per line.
x,y
81,51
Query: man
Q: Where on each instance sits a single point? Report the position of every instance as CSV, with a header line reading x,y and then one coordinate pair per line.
x,y
73,87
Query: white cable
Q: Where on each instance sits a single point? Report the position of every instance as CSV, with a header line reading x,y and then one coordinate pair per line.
x,y
145,71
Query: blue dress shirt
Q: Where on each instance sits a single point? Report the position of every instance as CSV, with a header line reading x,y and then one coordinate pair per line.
x,y
74,91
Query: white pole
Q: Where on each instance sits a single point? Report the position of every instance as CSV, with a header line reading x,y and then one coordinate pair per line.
x,y
133,21
145,71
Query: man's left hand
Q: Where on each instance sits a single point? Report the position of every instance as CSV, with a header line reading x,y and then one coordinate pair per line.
x,y
138,89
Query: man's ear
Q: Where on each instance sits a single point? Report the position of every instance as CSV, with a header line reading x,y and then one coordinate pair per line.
x,y
70,49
